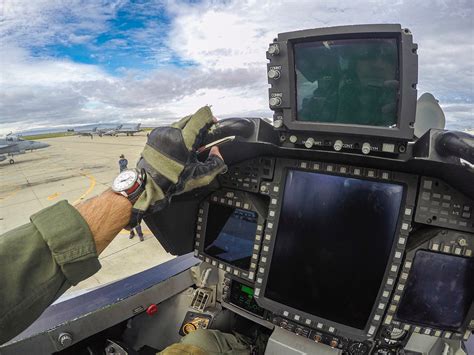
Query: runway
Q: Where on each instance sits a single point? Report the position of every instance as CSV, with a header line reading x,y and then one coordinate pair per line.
x,y
76,168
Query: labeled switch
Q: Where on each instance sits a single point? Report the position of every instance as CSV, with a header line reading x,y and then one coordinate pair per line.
x,y
275,101
274,74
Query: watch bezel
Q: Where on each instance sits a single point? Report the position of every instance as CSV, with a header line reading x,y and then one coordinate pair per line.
x,y
129,186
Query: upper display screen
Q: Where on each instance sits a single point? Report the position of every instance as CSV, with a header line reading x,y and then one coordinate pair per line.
x,y
439,290
334,239
348,81
230,234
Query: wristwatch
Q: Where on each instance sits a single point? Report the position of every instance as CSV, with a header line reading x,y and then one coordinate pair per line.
x,y
130,183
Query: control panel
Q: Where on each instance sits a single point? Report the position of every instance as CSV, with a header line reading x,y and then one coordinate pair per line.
x,y
332,340
240,294
441,205
250,208
248,174
352,144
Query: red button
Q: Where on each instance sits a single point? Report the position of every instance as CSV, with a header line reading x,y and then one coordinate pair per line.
x,y
152,309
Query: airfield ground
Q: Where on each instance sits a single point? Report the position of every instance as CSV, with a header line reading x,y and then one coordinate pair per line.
x,y
76,168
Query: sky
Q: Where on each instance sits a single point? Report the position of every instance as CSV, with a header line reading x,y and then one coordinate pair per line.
x,y
78,61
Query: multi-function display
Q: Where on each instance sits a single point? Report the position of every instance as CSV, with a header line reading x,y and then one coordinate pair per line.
x,y
439,290
349,81
230,234
334,239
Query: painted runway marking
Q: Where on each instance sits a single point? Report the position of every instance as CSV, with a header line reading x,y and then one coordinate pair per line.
x,y
53,196
89,190
12,193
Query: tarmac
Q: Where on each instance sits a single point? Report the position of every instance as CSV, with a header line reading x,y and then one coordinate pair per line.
x,y
76,168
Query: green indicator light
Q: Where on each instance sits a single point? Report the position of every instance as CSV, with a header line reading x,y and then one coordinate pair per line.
x,y
247,290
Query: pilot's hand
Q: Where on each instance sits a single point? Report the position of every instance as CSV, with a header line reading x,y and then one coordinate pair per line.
x,y
170,162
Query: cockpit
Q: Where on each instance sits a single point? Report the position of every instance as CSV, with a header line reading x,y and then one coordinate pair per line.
x,y
334,230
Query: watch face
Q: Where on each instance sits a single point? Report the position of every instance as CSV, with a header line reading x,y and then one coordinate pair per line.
x,y
125,180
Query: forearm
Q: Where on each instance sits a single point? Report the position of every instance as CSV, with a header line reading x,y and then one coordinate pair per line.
x,y
39,261
106,215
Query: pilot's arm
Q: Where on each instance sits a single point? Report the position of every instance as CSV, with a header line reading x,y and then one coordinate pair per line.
x,y
59,247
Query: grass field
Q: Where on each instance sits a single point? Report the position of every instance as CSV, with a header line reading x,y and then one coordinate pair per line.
x,y
62,134
46,135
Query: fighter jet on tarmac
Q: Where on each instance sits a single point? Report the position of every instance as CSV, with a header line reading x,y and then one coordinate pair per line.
x,y
13,145
129,131
108,131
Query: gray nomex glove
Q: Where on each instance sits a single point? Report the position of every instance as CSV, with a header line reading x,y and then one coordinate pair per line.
x,y
170,163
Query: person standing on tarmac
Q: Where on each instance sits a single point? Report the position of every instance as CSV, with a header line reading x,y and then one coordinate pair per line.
x,y
59,248
123,163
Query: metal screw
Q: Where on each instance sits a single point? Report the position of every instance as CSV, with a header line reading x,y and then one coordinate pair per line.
x,y
65,339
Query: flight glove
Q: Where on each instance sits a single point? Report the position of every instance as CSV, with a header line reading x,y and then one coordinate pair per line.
x,y
170,163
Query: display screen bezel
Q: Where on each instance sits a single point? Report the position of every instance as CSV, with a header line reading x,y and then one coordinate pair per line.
x,y
429,324
409,183
437,237
285,86
233,199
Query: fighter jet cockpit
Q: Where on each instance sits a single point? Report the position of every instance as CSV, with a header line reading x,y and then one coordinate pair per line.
x,y
343,225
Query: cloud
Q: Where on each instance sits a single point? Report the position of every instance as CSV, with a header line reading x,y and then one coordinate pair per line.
x,y
208,52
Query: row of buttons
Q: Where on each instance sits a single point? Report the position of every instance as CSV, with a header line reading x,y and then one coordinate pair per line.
x,y
441,205
305,332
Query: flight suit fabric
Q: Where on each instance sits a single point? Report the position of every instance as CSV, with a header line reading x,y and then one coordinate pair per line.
x,y
208,341
39,261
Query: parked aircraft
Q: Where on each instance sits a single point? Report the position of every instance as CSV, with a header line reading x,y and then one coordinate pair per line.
x,y
108,131
13,145
130,131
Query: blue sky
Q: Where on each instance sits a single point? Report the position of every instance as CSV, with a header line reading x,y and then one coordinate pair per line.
x,y
89,61
120,47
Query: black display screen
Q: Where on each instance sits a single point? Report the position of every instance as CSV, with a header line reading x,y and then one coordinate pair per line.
x,y
439,290
334,240
230,234
349,81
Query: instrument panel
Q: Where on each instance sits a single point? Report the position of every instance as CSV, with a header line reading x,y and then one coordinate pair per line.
x,y
339,253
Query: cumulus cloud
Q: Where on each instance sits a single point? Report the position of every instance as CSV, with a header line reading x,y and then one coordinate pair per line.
x,y
224,43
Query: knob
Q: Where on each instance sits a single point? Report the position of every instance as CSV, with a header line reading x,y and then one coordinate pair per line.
x,y
65,339
274,74
338,145
275,101
277,123
309,142
274,49
462,242
317,338
293,139
333,343
366,148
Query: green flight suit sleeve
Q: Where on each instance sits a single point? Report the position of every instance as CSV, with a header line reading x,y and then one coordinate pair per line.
x,y
39,261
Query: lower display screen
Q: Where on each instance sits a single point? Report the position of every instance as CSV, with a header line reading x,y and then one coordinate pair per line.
x,y
439,290
230,234
333,243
